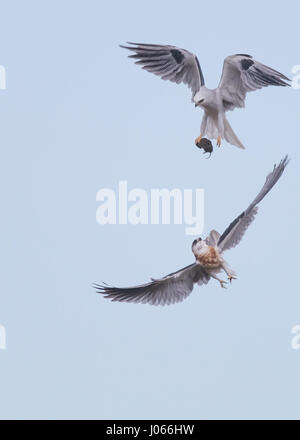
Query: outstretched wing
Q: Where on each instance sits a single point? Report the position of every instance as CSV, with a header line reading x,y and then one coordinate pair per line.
x,y
213,238
171,289
242,74
169,62
235,231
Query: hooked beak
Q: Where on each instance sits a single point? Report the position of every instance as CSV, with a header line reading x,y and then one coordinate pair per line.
x,y
199,102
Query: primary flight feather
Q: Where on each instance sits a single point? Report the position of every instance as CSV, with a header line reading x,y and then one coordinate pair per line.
x,y
241,74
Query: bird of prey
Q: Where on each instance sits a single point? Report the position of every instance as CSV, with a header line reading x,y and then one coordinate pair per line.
x,y
241,74
208,253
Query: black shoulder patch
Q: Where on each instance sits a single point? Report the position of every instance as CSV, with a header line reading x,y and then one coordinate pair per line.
x,y
246,63
177,55
230,227
242,55
227,103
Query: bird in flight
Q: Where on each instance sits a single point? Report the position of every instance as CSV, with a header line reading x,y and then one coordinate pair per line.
x,y
241,74
208,253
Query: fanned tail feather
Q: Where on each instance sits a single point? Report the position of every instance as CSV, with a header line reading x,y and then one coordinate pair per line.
x,y
230,135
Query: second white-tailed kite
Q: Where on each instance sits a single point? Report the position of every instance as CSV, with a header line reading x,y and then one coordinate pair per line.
x,y
208,253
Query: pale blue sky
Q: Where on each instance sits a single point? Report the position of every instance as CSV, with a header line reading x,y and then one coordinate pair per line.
x,y
77,116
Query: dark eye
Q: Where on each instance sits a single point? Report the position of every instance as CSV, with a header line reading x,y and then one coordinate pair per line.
x,y
199,239
201,100
194,242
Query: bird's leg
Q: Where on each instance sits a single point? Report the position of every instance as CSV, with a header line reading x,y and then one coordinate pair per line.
x,y
219,141
202,128
198,139
220,281
231,275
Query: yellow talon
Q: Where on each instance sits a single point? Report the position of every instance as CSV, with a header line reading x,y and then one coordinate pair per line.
x,y
219,141
231,277
198,139
222,284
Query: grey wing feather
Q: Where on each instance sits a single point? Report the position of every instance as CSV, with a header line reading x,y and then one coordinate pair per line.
x,y
169,62
213,238
170,289
235,231
242,74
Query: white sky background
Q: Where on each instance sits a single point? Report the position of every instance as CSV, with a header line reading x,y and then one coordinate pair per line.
x,y
78,116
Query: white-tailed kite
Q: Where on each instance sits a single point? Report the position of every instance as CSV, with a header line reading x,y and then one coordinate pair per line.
x,y
241,74
176,286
